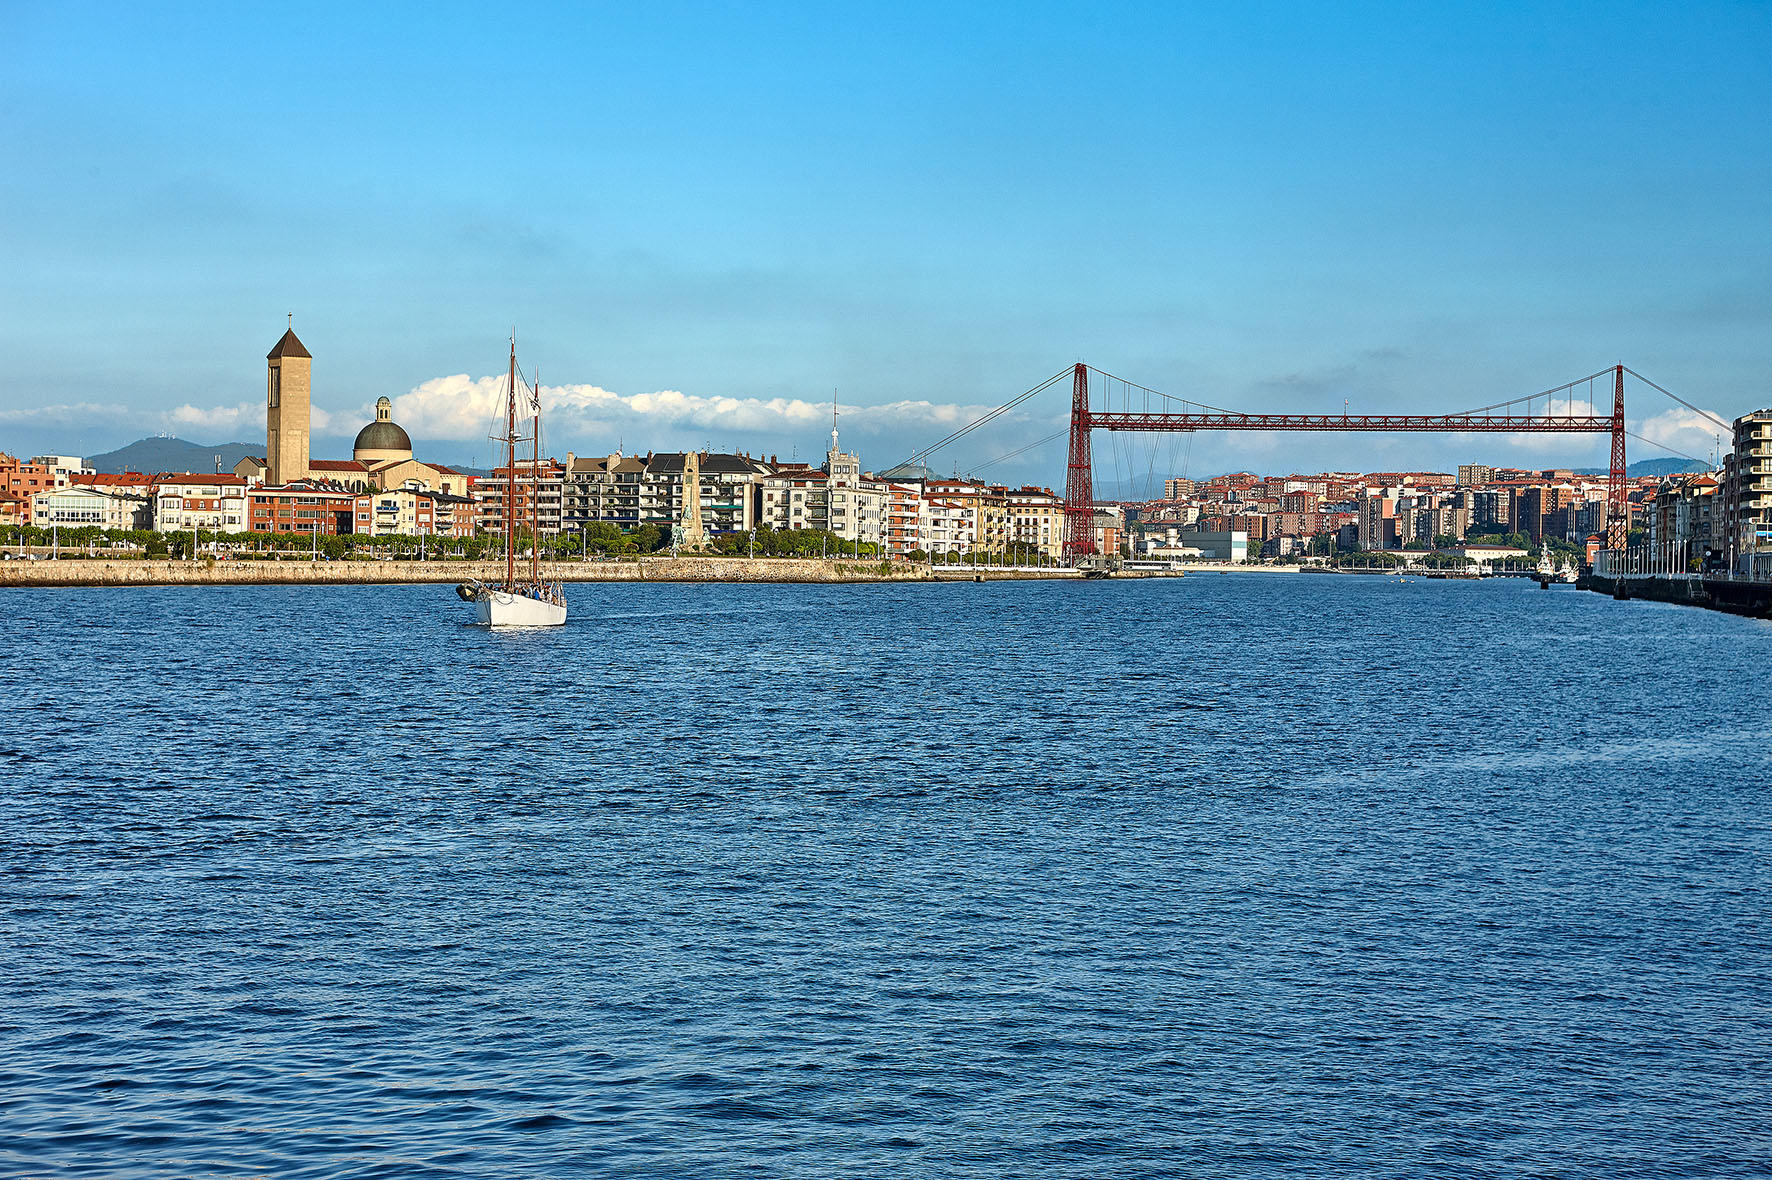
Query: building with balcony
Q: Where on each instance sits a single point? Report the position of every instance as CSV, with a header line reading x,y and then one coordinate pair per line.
x,y
535,494
309,507
1747,488
1035,522
213,502
86,506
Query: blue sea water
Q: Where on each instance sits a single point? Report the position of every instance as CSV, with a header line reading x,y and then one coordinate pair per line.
x,y
1221,876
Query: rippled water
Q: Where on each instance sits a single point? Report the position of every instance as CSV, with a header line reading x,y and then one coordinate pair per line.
x,y
1221,876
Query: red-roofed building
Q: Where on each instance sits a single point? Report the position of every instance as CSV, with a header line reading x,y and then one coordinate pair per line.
x,y
186,501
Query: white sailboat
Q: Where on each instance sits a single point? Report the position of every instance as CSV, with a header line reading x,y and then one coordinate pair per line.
x,y
520,602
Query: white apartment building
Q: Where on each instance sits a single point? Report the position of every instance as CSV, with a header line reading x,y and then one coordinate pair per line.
x,y
80,506
795,498
213,502
1036,522
953,527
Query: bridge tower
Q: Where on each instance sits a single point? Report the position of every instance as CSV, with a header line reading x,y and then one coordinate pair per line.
x,y
1079,490
1617,501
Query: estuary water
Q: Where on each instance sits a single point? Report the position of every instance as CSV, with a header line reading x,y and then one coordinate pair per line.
x,y
1245,875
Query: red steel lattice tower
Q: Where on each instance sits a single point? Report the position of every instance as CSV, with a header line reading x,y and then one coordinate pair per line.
x,y
1079,489
1617,505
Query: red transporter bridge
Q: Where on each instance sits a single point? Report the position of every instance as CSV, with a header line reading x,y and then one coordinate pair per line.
x,y
1502,418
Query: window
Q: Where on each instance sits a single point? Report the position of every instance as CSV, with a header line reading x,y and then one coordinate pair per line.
x,y
276,385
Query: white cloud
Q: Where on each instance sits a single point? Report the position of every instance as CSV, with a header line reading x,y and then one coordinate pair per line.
x,y
244,420
1682,430
1676,428
461,407
75,412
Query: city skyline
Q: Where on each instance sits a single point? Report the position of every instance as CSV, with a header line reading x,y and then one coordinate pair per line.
x,y
701,223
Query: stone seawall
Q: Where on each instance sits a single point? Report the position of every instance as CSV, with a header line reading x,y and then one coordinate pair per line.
x,y
1685,591
1753,599
124,572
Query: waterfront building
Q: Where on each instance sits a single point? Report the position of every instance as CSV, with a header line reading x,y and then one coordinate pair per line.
x,y
727,483
81,505
332,509
989,507
1228,545
530,491
187,501
601,490
1488,554
19,482
907,520
795,496
1747,488
1109,531
857,504
305,506
1036,521
414,511
952,526
1684,518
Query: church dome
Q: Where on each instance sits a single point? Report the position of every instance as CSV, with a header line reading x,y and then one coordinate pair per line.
x,y
382,439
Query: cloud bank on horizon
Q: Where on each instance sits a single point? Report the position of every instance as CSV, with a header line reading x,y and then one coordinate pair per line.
x,y
451,418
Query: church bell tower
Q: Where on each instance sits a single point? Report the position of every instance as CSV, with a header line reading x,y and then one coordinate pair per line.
x,y
288,367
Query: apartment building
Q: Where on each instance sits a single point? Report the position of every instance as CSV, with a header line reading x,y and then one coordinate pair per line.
x,y
534,495
601,490
414,511
907,520
1036,521
306,506
794,497
216,503
1747,487
989,505
727,482
82,505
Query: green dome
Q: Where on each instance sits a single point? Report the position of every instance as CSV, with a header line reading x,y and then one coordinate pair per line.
x,y
382,436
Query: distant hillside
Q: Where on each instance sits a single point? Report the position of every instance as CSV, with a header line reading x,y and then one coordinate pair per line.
x,y
172,454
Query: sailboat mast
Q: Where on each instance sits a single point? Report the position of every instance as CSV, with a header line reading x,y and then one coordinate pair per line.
x,y
535,485
511,473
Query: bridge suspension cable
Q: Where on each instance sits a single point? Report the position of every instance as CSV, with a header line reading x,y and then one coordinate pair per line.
x,y
991,416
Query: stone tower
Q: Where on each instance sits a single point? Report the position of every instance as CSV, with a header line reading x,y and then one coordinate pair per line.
x,y
286,410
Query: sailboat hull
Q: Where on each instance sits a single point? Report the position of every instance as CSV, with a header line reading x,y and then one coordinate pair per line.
x,y
495,608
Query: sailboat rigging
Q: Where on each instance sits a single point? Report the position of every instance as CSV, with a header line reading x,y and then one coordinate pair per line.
x,y
534,601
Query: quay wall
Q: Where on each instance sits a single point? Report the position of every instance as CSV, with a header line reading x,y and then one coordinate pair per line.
x,y
1739,598
1686,591
136,572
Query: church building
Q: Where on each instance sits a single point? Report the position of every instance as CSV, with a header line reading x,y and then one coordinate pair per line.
x,y
381,459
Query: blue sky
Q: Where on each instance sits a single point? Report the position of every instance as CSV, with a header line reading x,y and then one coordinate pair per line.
x,y
703,218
